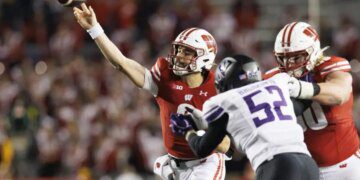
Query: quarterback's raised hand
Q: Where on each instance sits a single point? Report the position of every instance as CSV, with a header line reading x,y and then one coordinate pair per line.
x,y
179,124
85,16
136,72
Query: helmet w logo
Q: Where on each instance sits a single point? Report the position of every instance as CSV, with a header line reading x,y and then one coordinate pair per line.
x,y
309,31
210,43
188,97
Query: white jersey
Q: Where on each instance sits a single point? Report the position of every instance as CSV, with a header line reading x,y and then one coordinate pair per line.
x,y
262,121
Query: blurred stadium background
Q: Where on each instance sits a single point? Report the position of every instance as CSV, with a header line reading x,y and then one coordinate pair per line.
x,y
65,113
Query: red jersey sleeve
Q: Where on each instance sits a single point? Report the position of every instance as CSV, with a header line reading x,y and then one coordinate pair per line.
x,y
270,73
163,77
332,64
160,70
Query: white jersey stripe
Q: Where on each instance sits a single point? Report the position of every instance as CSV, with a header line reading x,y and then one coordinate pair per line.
x,y
157,70
272,70
154,74
218,169
334,65
222,166
348,67
149,83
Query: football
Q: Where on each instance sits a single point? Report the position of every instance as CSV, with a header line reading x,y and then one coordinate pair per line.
x,y
70,3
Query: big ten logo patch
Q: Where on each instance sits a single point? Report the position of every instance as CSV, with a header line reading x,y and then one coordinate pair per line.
x,y
178,87
188,97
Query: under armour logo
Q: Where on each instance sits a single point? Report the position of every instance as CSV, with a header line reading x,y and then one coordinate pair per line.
x,y
343,165
203,93
188,97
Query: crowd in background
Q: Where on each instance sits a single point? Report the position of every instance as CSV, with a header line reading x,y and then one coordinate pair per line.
x,y
66,112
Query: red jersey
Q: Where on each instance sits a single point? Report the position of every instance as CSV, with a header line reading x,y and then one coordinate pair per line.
x,y
330,133
172,92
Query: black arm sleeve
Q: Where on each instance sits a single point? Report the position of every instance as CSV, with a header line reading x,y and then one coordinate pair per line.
x,y
202,146
300,105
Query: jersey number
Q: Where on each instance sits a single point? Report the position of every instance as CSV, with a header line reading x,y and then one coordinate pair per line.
x,y
266,107
313,118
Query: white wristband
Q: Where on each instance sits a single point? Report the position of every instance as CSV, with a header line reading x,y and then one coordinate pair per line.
x,y
306,90
95,31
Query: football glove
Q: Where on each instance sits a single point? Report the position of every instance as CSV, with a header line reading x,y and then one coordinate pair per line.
x,y
196,117
195,114
302,89
179,124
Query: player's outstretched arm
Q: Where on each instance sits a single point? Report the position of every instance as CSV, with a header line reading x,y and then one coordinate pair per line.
x,y
202,146
201,124
86,17
336,89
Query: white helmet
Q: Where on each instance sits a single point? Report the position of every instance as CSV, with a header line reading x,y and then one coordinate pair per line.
x,y
198,40
297,48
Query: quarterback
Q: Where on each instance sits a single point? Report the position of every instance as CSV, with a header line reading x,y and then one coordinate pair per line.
x,y
183,79
330,132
